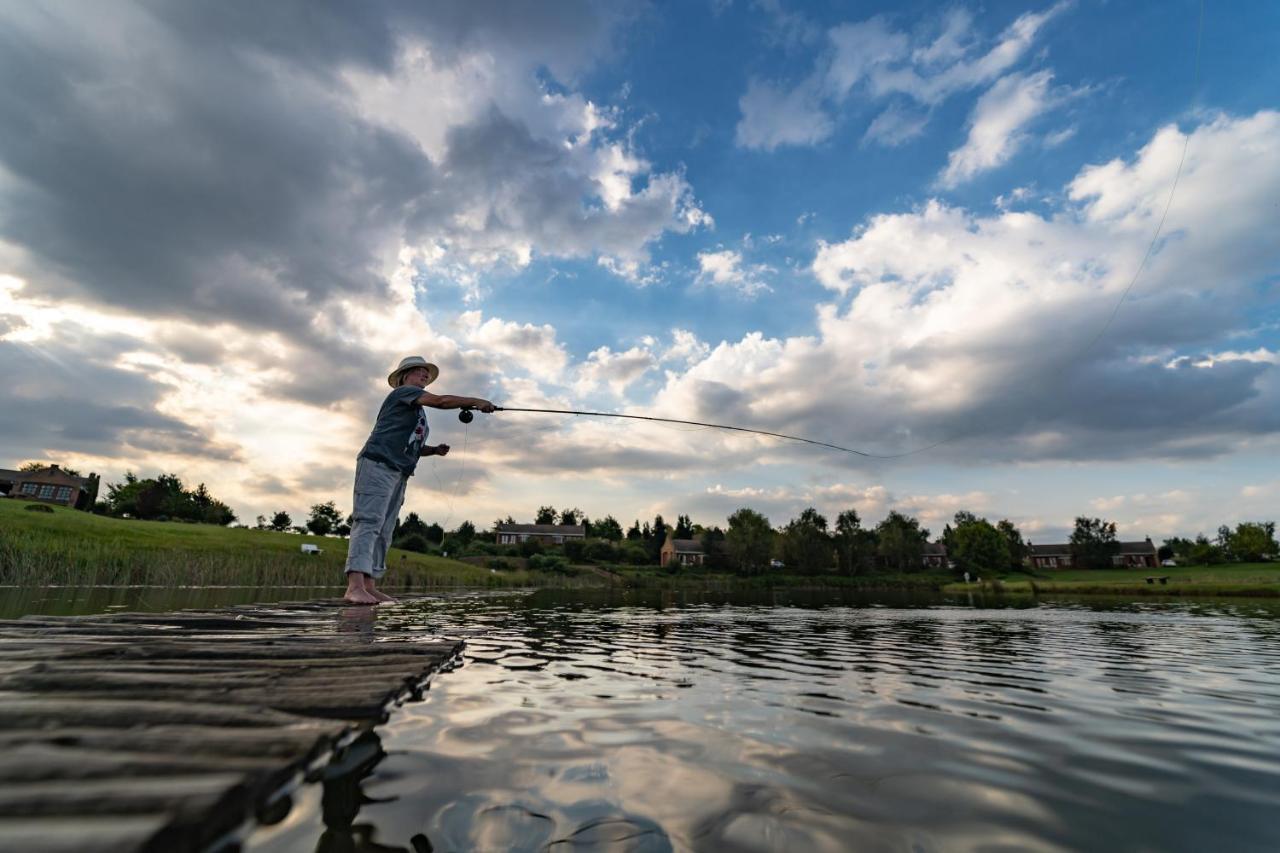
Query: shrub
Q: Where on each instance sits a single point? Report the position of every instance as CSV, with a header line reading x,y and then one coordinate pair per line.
x,y
574,550
600,551
633,553
530,547
548,563
412,542
38,508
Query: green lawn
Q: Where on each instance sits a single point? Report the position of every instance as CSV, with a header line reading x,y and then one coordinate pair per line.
x,y
1225,573
1245,579
77,548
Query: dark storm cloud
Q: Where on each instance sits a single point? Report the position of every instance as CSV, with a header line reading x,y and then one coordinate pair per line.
x,y
61,397
181,159
200,186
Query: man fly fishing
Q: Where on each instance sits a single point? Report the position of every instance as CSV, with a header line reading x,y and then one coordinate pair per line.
x,y
384,466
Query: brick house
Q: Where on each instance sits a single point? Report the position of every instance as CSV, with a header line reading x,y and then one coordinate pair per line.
x,y
682,552
50,485
551,534
1130,555
934,556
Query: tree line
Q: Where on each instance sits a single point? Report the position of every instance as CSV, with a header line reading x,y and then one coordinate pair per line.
x,y
749,545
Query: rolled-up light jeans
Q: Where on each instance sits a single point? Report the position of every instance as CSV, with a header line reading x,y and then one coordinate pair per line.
x,y
379,494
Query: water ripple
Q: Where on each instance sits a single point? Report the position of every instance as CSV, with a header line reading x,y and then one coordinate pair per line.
x,y
645,726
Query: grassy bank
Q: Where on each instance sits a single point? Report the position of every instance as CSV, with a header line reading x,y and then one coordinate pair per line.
x,y
1259,580
655,578
72,548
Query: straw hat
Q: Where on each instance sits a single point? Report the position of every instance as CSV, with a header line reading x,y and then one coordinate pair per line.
x,y
410,363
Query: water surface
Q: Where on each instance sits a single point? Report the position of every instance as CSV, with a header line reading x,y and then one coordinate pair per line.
x,y
672,723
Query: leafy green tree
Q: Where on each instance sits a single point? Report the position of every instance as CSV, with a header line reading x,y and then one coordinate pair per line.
x,y
716,556
607,528
28,467
465,533
657,537
165,497
1018,549
435,533
683,528
749,541
1178,546
855,545
324,518
1093,543
545,515
281,521
634,534
1252,541
806,545
979,547
900,542
1204,553
411,526
571,516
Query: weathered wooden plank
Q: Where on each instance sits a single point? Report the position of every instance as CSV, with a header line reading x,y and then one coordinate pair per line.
x,y
125,795
83,835
355,704
277,742
25,712
44,762
169,729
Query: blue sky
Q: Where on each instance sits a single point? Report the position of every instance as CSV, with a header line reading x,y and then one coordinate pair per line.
x,y
880,225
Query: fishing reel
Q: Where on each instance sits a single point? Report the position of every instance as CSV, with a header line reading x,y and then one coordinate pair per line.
x,y
466,415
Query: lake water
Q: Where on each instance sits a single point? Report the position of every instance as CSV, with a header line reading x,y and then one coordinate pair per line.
x,y
669,722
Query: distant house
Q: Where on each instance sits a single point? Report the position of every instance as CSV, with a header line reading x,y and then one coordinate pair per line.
x,y
682,552
934,555
1137,555
50,485
552,534
1129,555
1049,556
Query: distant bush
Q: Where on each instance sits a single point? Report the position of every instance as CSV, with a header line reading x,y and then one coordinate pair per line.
x,y
496,563
633,553
575,550
600,551
530,548
413,542
549,563
38,508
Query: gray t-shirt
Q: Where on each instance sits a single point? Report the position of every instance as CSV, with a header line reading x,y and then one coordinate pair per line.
x,y
400,431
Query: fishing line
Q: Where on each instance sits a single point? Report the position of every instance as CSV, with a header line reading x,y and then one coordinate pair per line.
x,y
465,416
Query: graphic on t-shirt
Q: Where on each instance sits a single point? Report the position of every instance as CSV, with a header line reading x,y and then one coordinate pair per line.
x,y
418,438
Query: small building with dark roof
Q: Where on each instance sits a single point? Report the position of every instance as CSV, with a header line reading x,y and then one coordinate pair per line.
x,y
553,534
934,556
1128,555
682,552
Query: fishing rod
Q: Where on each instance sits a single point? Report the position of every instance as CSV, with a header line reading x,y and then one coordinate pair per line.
x,y
466,416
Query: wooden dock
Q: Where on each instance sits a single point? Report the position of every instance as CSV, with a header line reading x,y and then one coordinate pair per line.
x,y
169,732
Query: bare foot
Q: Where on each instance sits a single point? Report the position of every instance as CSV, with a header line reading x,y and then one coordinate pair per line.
x,y
377,593
358,586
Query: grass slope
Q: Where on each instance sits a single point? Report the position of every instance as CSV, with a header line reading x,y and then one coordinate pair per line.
x,y
1245,579
67,547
